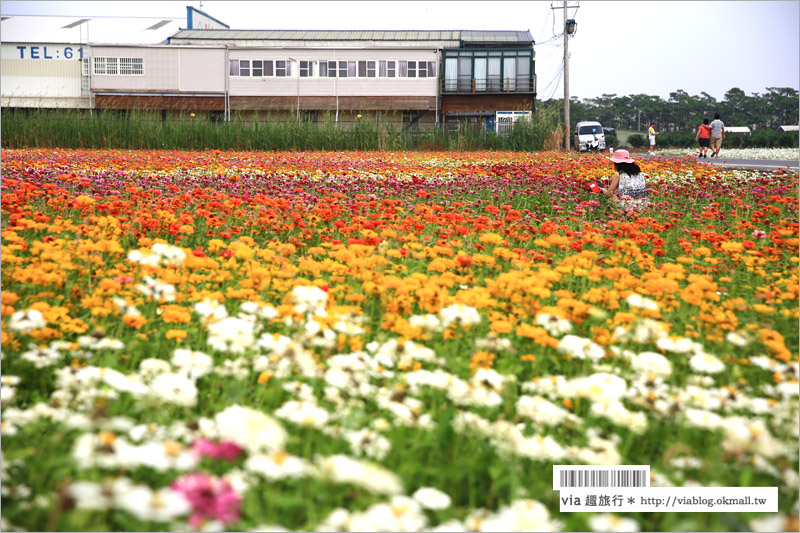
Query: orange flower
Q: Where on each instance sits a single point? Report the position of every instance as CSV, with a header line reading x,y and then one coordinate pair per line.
x,y
134,321
178,334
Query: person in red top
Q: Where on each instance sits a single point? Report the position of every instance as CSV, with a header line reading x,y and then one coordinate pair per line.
x,y
703,137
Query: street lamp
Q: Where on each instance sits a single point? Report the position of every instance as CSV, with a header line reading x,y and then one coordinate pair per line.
x,y
297,64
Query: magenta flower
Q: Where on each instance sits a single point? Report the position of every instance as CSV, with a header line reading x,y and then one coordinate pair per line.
x,y
226,450
211,498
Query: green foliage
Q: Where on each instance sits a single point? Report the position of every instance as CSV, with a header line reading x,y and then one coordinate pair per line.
x,y
146,130
682,111
637,141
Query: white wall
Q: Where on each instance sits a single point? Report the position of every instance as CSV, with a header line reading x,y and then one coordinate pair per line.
x,y
289,86
166,69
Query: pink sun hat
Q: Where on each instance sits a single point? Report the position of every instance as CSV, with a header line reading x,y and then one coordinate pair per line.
x,y
622,156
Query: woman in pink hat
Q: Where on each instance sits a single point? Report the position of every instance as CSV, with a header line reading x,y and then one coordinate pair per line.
x,y
628,187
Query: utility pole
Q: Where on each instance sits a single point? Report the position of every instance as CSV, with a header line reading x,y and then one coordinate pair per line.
x,y
566,80
566,69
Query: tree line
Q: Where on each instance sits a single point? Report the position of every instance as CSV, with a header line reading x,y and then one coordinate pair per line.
x,y
682,112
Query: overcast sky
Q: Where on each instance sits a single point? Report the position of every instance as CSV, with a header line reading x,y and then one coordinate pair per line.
x,y
622,48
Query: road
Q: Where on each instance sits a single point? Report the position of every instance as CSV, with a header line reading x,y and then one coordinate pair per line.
x,y
751,164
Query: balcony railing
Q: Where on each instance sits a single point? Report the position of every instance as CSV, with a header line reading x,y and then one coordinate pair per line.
x,y
488,85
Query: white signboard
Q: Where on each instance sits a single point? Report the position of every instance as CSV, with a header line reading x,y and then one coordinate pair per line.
x,y
505,120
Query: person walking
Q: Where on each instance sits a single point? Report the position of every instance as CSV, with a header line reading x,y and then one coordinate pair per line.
x,y
628,188
717,135
651,135
703,138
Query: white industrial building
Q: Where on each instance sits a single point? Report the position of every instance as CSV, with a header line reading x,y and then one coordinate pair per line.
x,y
417,77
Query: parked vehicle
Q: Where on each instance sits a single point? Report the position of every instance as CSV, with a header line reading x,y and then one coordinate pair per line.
x,y
610,131
589,136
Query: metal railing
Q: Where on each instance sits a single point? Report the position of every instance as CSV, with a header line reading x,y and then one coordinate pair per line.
x,y
487,85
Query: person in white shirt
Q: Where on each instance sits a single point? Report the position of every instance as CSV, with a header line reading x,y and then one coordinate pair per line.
x,y
651,134
717,134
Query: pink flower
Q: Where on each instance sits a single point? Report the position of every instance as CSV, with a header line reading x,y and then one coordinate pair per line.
x,y
123,279
226,450
211,498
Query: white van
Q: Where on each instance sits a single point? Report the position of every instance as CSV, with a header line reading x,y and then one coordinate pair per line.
x,y
589,136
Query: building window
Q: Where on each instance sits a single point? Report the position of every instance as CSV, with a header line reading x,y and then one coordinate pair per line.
x,y
119,66
85,66
469,71
387,69
269,69
244,67
257,68
331,69
366,69
308,69
342,69
234,70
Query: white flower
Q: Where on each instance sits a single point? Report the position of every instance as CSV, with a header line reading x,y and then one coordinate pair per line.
x,y
638,301
520,515
168,253
738,339
676,344
42,357
554,325
400,514
345,469
303,413
706,363
431,498
463,314
261,310
450,526
369,443
150,368
98,496
211,310
613,523
751,435
600,387
542,411
278,465
231,334
192,363
309,300
703,419
154,505
175,388
252,430
427,322
651,363
25,321
157,290
148,259
580,348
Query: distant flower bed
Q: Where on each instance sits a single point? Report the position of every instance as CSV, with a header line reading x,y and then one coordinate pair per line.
x,y
362,341
776,154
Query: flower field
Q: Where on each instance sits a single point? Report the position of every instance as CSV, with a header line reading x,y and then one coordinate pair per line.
x,y
364,341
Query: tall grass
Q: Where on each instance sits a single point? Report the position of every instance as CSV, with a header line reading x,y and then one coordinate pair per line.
x,y
145,130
